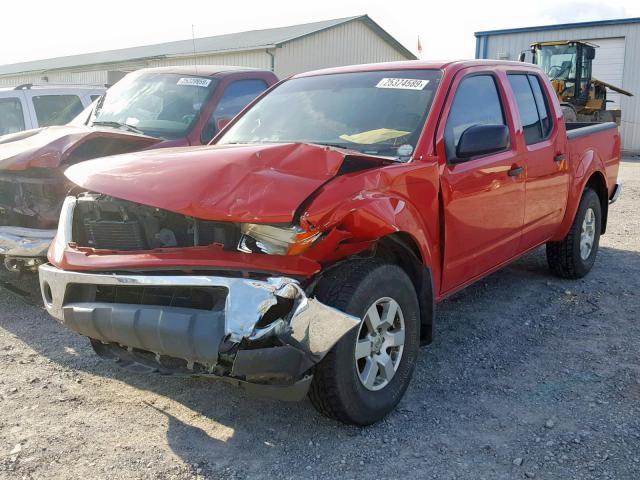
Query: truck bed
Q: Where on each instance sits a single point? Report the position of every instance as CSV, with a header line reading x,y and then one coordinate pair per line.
x,y
579,129
586,137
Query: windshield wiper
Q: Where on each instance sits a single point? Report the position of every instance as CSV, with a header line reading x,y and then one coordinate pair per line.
x,y
129,127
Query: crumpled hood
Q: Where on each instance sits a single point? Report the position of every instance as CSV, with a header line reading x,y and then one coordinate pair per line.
x,y
243,183
49,147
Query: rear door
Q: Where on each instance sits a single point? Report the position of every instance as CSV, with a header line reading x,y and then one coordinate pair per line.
x,y
539,139
483,197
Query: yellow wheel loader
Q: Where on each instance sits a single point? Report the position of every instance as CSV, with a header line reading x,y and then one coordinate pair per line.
x,y
568,64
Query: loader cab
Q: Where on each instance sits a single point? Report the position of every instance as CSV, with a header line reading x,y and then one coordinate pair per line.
x,y
568,64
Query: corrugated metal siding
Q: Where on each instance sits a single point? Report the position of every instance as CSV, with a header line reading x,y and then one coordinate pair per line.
x,y
347,44
511,44
80,78
254,59
608,65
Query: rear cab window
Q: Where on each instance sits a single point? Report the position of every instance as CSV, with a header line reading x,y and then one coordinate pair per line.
x,y
11,115
476,102
532,106
56,109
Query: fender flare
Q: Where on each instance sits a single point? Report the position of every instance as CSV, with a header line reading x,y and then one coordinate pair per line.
x,y
383,220
587,165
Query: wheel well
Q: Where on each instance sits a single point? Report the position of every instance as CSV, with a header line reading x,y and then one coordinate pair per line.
x,y
402,249
597,183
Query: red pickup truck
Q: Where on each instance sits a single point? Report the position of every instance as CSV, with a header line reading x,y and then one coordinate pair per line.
x,y
305,249
148,109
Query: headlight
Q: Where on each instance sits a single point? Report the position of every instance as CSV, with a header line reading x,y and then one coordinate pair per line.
x,y
257,238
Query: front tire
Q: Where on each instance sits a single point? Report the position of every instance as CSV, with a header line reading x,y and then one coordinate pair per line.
x,y
574,256
367,372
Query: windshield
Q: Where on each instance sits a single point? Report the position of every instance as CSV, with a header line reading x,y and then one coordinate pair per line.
x,y
378,113
558,61
157,104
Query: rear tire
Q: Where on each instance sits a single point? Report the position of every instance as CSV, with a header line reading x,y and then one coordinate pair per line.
x,y
569,114
574,256
343,387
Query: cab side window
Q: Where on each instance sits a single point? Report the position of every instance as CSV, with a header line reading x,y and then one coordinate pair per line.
x,y
543,105
533,107
56,109
477,102
11,116
236,96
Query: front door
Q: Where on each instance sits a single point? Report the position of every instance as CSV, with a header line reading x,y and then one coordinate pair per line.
x,y
483,197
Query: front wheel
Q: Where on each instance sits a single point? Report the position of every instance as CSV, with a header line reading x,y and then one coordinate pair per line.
x,y
367,372
574,256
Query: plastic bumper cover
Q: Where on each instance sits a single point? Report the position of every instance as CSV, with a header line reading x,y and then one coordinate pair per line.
x,y
232,342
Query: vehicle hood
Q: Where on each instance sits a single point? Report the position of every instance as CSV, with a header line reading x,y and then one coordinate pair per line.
x,y
49,147
243,183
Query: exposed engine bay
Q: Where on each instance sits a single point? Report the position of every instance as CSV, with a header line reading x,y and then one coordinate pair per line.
x,y
106,223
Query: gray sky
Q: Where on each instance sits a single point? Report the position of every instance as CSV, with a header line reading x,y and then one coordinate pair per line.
x,y
50,28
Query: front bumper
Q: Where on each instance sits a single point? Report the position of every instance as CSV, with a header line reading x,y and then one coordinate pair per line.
x,y
25,242
264,333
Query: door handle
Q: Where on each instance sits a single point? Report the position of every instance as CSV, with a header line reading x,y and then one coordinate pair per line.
x,y
559,157
516,171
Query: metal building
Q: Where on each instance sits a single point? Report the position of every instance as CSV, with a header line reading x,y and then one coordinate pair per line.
x,y
617,59
285,50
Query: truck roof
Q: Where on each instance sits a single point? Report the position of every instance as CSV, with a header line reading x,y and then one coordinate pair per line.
x,y
200,70
415,65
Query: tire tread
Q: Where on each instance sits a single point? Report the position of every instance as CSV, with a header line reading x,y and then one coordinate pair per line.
x,y
562,256
338,286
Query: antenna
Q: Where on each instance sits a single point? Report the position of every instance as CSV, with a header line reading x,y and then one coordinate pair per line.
x,y
193,41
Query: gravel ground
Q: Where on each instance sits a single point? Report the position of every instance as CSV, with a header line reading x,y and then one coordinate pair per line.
x,y
529,377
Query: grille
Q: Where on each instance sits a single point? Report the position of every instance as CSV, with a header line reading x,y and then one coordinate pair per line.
x,y
114,235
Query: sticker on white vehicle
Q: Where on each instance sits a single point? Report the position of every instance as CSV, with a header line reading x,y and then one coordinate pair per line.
x,y
194,82
403,83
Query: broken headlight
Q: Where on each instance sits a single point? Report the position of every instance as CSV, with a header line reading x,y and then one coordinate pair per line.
x,y
274,240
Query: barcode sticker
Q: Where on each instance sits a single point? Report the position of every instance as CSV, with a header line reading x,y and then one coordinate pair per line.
x,y
195,82
403,83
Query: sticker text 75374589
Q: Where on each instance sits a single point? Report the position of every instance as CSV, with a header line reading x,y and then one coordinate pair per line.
x,y
194,81
403,83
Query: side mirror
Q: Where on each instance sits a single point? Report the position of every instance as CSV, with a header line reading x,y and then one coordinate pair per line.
x,y
591,53
521,56
481,140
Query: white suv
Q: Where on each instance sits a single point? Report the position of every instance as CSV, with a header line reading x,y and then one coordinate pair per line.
x,y
29,106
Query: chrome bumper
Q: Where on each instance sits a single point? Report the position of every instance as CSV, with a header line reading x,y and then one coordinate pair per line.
x,y
25,242
309,329
616,193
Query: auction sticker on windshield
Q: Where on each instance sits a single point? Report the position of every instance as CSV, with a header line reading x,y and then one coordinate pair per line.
x,y
403,83
195,82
